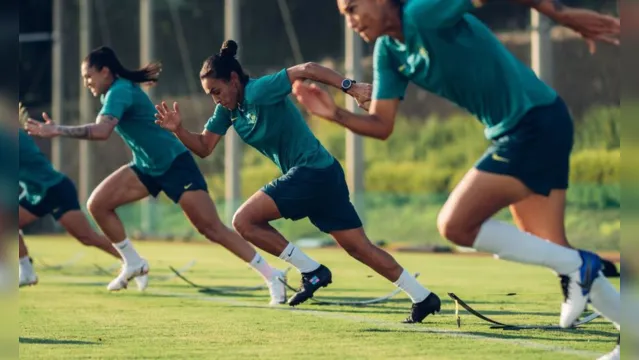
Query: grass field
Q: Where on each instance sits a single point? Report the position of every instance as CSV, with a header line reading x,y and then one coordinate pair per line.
x,y
70,315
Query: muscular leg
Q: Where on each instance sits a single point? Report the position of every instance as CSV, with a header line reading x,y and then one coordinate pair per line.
x,y
544,217
464,220
252,222
201,211
121,187
76,223
26,272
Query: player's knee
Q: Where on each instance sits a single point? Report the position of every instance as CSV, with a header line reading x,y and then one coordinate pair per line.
x,y
94,206
453,230
241,223
212,230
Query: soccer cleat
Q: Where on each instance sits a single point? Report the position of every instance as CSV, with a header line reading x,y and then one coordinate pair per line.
x,y
127,273
29,279
576,288
311,282
142,282
276,288
432,304
615,354
609,269
27,276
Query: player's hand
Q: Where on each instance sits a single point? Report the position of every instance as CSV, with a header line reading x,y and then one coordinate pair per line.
x,y
362,93
37,128
315,100
167,118
592,26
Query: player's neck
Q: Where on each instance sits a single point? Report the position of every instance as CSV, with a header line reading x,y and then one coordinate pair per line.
x,y
393,27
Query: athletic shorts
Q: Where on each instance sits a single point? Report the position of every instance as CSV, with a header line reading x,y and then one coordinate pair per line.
x,y
183,175
537,151
57,201
321,195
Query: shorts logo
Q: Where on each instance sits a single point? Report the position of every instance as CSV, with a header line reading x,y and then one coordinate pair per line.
x,y
496,157
186,187
56,210
314,280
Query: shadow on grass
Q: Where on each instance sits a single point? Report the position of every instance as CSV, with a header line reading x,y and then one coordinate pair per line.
x,y
54,341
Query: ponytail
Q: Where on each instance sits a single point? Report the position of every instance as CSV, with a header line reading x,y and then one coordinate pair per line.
x,y
105,57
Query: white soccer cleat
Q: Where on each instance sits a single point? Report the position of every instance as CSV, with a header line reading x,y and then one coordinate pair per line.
x,y
277,289
27,279
614,354
142,282
576,288
127,273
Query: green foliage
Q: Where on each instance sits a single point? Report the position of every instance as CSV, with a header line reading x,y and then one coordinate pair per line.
x,y
599,129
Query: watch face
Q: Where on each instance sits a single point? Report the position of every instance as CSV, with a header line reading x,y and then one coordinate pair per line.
x,y
346,84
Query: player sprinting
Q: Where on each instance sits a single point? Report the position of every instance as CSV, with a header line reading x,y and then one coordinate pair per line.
x,y
46,191
313,184
438,46
160,163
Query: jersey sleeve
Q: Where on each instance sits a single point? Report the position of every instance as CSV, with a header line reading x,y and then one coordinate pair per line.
x,y
388,82
117,100
220,122
269,89
434,14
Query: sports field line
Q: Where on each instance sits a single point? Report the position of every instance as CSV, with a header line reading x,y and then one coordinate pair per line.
x,y
386,324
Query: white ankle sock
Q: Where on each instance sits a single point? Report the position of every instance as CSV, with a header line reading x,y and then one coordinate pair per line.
x,y
25,264
606,299
128,253
510,243
296,257
261,266
411,287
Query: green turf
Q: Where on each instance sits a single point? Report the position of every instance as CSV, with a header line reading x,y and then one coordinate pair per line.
x,y
70,315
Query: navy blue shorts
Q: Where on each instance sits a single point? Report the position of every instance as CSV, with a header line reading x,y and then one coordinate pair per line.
x,y
58,200
537,151
183,175
320,194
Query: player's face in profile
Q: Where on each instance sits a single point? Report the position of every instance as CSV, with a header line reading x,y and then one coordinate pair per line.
x,y
365,17
97,81
223,92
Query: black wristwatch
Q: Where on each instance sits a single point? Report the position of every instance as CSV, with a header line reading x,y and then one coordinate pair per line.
x,y
347,84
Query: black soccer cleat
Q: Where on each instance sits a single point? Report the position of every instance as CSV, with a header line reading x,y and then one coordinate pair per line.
x,y
609,269
432,304
311,282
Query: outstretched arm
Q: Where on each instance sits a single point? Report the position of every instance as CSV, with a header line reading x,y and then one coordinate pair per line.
x,y
201,144
316,72
591,25
100,130
378,123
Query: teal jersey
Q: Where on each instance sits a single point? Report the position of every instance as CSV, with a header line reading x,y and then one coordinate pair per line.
x,y
269,121
449,52
35,174
9,170
153,148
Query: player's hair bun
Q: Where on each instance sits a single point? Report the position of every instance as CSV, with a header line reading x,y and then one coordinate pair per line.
x,y
229,48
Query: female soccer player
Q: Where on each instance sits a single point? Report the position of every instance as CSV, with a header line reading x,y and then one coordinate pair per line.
x,y
46,191
160,163
312,184
438,46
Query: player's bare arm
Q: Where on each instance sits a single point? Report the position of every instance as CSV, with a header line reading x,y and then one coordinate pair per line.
x,y
201,144
378,123
100,130
361,92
